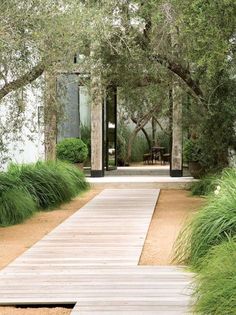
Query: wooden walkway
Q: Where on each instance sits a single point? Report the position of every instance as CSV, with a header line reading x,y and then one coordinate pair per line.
x,y
91,260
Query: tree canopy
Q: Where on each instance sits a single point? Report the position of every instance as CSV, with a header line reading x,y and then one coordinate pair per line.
x,y
145,44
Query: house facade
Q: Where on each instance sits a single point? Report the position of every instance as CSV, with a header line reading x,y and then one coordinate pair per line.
x,y
79,108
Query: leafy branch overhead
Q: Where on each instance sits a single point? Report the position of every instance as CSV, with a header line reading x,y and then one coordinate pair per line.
x,y
25,79
144,47
134,33
181,72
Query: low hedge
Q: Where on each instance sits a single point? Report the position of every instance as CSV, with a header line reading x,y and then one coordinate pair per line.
x,y
72,150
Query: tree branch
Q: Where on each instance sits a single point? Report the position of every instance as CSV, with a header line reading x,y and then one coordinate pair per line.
x,y
25,79
144,132
182,72
161,127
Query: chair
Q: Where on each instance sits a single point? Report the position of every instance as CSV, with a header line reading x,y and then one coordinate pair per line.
x,y
147,158
165,157
156,155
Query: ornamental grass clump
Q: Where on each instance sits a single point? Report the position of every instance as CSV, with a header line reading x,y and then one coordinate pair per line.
x,y
49,183
16,204
43,183
213,224
216,283
205,186
76,175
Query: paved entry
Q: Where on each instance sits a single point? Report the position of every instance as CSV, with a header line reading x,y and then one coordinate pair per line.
x,y
91,260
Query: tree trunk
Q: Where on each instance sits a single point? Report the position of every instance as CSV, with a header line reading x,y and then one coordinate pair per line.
x,y
154,130
145,134
50,117
130,144
170,109
147,138
25,79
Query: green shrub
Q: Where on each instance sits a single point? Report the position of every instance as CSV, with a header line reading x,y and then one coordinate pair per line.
x,y
72,150
86,137
205,186
191,151
216,283
16,204
50,183
211,225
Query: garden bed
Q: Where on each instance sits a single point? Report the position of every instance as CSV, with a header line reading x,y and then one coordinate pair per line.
x,y
172,209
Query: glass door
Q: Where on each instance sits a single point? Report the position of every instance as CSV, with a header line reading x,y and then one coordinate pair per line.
x,y
111,128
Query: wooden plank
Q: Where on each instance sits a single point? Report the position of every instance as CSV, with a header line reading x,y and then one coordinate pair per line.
x,y
92,259
127,308
136,312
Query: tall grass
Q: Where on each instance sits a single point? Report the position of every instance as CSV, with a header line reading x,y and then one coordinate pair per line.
x,y
216,283
76,176
205,186
139,147
50,183
211,225
30,187
16,204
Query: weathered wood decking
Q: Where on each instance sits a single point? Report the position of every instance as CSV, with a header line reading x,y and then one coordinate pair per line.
x,y
92,259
